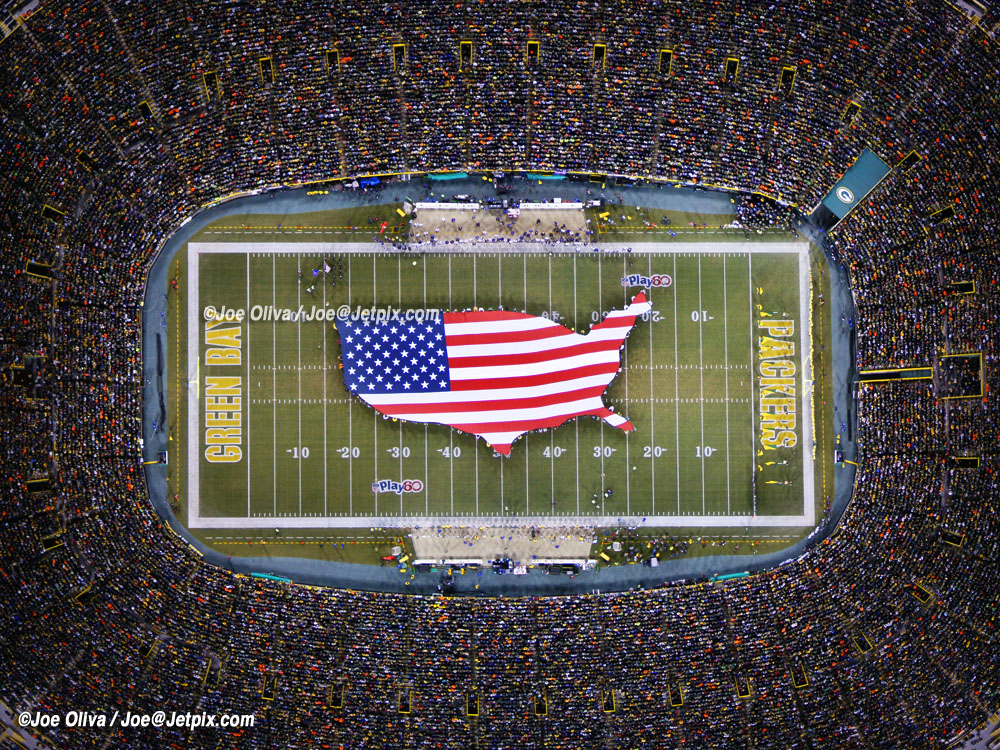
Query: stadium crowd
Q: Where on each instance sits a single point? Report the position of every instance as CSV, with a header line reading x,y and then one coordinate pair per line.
x,y
834,650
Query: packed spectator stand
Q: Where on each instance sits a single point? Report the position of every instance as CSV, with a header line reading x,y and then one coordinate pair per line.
x,y
108,120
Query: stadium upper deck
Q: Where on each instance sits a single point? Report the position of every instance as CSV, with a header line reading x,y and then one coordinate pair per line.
x,y
886,636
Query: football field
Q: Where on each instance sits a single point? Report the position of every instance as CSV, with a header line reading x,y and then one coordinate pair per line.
x,y
716,380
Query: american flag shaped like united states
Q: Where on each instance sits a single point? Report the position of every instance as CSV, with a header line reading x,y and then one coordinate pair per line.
x,y
497,374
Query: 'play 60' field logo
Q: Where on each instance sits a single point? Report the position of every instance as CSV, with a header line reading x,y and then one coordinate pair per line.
x,y
389,485
657,279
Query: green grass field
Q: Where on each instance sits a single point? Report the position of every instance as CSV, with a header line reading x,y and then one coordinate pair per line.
x,y
309,451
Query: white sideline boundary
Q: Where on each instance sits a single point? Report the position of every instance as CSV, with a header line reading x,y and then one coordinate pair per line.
x,y
407,522
196,521
194,434
485,248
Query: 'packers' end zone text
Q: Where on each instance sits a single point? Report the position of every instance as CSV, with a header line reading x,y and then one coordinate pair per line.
x,y
777,384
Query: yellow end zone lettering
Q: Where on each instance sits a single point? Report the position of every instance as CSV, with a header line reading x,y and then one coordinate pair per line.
x,y
776,383
223,395
223,454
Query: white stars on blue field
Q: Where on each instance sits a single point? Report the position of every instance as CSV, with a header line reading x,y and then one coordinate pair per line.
x,y
394,356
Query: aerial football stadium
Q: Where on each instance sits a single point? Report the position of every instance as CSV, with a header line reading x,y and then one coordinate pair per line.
x,y
512,375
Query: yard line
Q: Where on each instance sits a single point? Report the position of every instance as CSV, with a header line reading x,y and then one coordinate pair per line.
x,y
524,284
274,390
451,433
677,407
375,413
552,459
753,426
628,471
248,385
475,445
298,333
725,350
350,419
701,385
500,304
576,422
426,502
600,315
652,432
325,510
550,284
399,300
527,486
